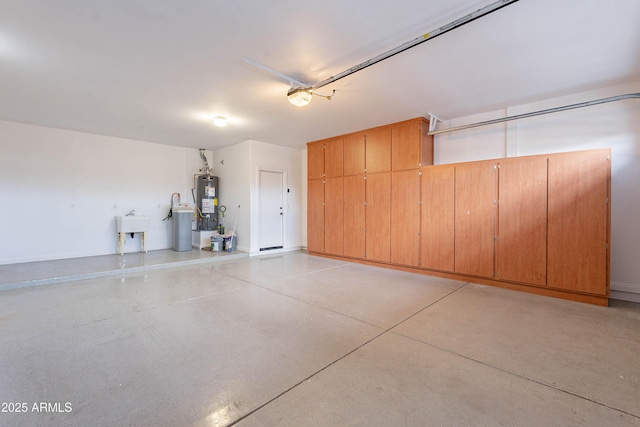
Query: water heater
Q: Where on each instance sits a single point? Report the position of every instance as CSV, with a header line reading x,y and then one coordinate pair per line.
x,y
207,201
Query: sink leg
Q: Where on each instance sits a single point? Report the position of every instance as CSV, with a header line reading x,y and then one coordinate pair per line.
x,y
144,241
121,242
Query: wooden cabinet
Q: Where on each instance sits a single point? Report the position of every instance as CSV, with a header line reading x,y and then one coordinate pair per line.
x,y
437,218
333,215
537,223
411,146
333,158
315,215
405,217
521,245
378,216
579,212
325,158
354,159
378,150
475,219
354,216
315,160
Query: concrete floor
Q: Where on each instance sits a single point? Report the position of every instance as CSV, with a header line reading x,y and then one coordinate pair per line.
x,y
295,340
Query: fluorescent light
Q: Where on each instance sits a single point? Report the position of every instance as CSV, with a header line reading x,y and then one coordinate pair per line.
x,y
299,96
220,121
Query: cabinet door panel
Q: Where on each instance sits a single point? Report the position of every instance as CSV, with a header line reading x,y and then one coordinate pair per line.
x,y
333,158
315,160
405,217
378,150
354,216
437,218
378,191
578,221
315,215
475,197
354,155
405,146
333,216
521,248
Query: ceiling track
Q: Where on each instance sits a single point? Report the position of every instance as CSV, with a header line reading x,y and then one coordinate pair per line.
x,y
419,40
434,119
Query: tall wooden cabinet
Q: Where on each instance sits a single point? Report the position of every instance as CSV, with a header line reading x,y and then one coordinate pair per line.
x,y
355,170
354,216
437,218
405,217
325,196
315,215
475,221
333,215
579,225
521,243
540,224
378,217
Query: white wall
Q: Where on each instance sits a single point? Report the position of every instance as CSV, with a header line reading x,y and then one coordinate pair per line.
x,y
238,167
60,191
615,125
232,167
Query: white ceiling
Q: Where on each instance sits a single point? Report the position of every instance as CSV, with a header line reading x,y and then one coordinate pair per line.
x,y
158,70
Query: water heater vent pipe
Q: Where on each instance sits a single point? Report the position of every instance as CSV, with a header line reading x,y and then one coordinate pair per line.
x,y
207,170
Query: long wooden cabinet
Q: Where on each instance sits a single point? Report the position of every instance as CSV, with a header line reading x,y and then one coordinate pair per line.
x,y
538,224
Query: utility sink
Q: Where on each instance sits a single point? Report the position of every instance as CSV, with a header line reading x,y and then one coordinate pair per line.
x,y
132,223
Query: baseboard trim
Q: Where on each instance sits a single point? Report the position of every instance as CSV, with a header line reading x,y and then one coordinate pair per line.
x,y
625,287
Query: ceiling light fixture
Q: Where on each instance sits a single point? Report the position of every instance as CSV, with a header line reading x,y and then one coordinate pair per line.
x,y
299,96
220,121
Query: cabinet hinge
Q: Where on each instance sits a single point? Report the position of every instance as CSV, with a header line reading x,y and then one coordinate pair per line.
x,y
607,200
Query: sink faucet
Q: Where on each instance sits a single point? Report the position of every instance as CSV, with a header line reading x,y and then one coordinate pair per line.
x,y
133,212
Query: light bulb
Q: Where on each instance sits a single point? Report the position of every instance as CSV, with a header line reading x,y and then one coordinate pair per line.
x,y
220,121
299,96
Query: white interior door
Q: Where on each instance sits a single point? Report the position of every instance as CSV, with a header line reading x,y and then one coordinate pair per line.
x,y
271,215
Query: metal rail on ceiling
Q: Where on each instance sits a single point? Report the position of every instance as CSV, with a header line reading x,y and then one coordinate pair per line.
x,y
434,119
418,40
